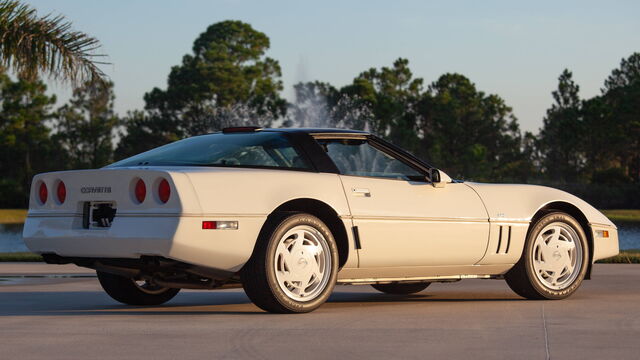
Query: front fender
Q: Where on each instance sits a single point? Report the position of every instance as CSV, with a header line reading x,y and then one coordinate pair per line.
x,y
513,202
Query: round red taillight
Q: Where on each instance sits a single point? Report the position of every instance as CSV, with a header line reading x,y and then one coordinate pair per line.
x,y
62,192
43,193
164,190
140,191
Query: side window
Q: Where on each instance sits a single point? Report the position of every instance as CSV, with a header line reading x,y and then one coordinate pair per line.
x,y
359,158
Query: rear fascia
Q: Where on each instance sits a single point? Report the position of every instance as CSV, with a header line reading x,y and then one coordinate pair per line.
x,y
172,230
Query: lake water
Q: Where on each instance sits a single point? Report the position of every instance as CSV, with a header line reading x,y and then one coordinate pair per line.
x,y
11,237
629,235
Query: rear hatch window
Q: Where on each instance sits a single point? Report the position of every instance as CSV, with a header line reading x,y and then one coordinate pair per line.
x,y
255,149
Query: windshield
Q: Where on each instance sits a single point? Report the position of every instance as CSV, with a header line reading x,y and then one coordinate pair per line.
x,y
256,149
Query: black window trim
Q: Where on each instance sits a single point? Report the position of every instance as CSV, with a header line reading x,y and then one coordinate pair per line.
x,y
381,145
313,152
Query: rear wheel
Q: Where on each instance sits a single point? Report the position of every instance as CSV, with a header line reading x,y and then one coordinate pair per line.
x,y
554,261
294,266
400,288
134,292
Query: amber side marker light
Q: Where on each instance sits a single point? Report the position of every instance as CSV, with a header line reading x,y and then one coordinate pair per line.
x,y
602,233
219,225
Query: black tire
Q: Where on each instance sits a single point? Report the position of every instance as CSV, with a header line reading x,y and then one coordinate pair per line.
x,y
127,291
400,288
259,278
522,278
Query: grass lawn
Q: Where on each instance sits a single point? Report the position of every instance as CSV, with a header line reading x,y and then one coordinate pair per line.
x,y
20,256
12,216
626,215
625,257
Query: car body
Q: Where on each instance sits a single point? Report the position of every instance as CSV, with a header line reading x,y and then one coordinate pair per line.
x,y
394,217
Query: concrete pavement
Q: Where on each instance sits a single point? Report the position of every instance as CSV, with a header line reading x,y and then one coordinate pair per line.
x,y
70,317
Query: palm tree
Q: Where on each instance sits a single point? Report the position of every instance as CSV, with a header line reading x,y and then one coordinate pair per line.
x,y
31,45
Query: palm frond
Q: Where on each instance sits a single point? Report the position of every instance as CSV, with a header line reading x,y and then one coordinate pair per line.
x,y
31,45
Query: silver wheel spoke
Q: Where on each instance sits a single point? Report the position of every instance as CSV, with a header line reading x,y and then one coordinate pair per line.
x,y
546,267
566,245
557,256
314,273
298,243
302,261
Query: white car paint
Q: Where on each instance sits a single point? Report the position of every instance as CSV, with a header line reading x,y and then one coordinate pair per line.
x,y
408,230
172,230
517,204
432,226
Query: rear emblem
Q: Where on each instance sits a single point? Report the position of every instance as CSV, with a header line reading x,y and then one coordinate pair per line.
x,y
95,189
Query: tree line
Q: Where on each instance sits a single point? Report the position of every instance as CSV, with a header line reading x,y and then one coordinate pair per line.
x,y
228,80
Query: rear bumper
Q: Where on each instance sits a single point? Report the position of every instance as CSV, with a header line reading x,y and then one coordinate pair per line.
x,y
174,237
604,247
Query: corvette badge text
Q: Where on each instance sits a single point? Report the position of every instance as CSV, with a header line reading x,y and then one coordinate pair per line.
x,y
95,189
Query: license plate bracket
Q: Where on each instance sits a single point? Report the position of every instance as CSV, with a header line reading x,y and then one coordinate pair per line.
x,y
98,214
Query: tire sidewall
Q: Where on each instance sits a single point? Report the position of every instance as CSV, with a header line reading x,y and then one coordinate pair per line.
x,y
274,238
528,258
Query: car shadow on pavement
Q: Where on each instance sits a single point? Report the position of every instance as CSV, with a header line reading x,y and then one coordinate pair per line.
x,y
74,303
43,303
370,299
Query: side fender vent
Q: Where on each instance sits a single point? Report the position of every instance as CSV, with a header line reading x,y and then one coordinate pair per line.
x,y
504,240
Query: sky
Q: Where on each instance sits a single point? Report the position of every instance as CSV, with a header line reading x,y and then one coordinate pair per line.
x,y
514,49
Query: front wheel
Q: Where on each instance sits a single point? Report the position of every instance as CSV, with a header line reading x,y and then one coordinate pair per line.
x,y
294,266
554,261
134,292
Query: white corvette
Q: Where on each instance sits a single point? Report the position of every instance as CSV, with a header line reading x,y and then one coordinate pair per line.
x,y
290,213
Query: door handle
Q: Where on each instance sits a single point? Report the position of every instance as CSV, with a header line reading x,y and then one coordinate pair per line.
x,y
361,192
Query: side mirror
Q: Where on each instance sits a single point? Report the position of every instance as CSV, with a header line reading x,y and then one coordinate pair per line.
x,y
436,179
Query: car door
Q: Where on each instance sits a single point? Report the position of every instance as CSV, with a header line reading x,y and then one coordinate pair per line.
x,y
400,217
